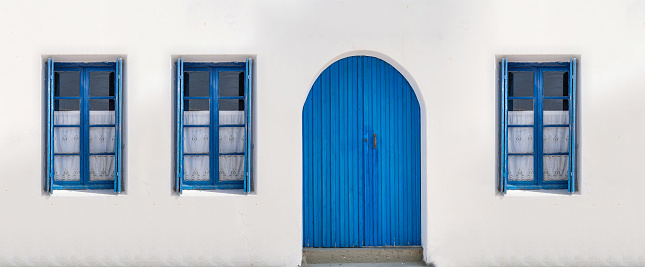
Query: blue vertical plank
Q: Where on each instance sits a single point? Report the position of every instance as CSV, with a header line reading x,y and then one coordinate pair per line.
x,y
342,112
248,146
402,189
572,125
360,153
503,128
180,130
119,126
50,126
367,162
333,163
317,148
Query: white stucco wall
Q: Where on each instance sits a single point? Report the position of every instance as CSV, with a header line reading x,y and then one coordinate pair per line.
x,y
448,50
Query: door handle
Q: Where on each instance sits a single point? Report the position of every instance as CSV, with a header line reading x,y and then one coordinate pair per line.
x,y
374,141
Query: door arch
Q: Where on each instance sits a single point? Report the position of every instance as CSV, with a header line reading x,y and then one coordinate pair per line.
x,y
361,157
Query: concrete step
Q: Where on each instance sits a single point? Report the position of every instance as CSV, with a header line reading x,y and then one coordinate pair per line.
x,y
362,255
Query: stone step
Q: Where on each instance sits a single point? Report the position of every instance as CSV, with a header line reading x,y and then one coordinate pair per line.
x,y
362,255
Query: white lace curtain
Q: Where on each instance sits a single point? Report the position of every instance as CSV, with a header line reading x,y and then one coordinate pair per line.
x,y
555,140
67,140
196,140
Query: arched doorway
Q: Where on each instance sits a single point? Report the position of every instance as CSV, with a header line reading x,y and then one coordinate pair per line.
x,y
361,157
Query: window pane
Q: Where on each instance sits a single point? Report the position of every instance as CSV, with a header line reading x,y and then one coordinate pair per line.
x,y
67,168
197,83
197,117
520,83
102,168
231,168
520,104
520,139
231,104
67,140
67,83
101,104
231,83
196,168
556,104
196,139
231,139
556,168
102,139
520,168
67,104
196,105
555,139
101,83
556,83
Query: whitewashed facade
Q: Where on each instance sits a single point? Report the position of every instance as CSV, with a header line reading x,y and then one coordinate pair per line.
x,y
449,52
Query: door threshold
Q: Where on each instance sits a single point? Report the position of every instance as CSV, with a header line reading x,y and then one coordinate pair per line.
x,y
361,255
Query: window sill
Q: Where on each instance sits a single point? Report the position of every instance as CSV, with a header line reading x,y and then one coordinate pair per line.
x,y
539,193
84,193
216,193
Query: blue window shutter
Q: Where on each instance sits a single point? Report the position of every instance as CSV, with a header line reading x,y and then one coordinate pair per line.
x,y
572,125
119,127
50,126
248,146
503,129
180,125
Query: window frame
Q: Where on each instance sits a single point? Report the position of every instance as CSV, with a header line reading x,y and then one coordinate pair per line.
x,y
538,69
84,69
213,69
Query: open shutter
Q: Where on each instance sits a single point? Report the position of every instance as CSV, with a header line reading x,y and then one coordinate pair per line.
x,y
119,127
572,125
50,126
248,146
180,125
503,126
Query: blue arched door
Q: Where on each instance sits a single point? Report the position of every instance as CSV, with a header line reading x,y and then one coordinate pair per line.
x,y
361,157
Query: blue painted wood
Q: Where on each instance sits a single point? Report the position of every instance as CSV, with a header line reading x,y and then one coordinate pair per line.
x,y
503,125
50,126
84,69
118,126
179,116
248,147
538,98
572,128
361,162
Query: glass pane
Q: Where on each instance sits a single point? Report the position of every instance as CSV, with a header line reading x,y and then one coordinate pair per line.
x,y
231,83
556,168
66,112
520,104
102,139
196,104
102,168
520,83
556,111
231,140
101,104
520,168
101,83
556,83
67,140
196,168
520,139
231,104
67,104
197,117
231,117
556,104
67,168
67,83
556,140
197,83
231,168
196,139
